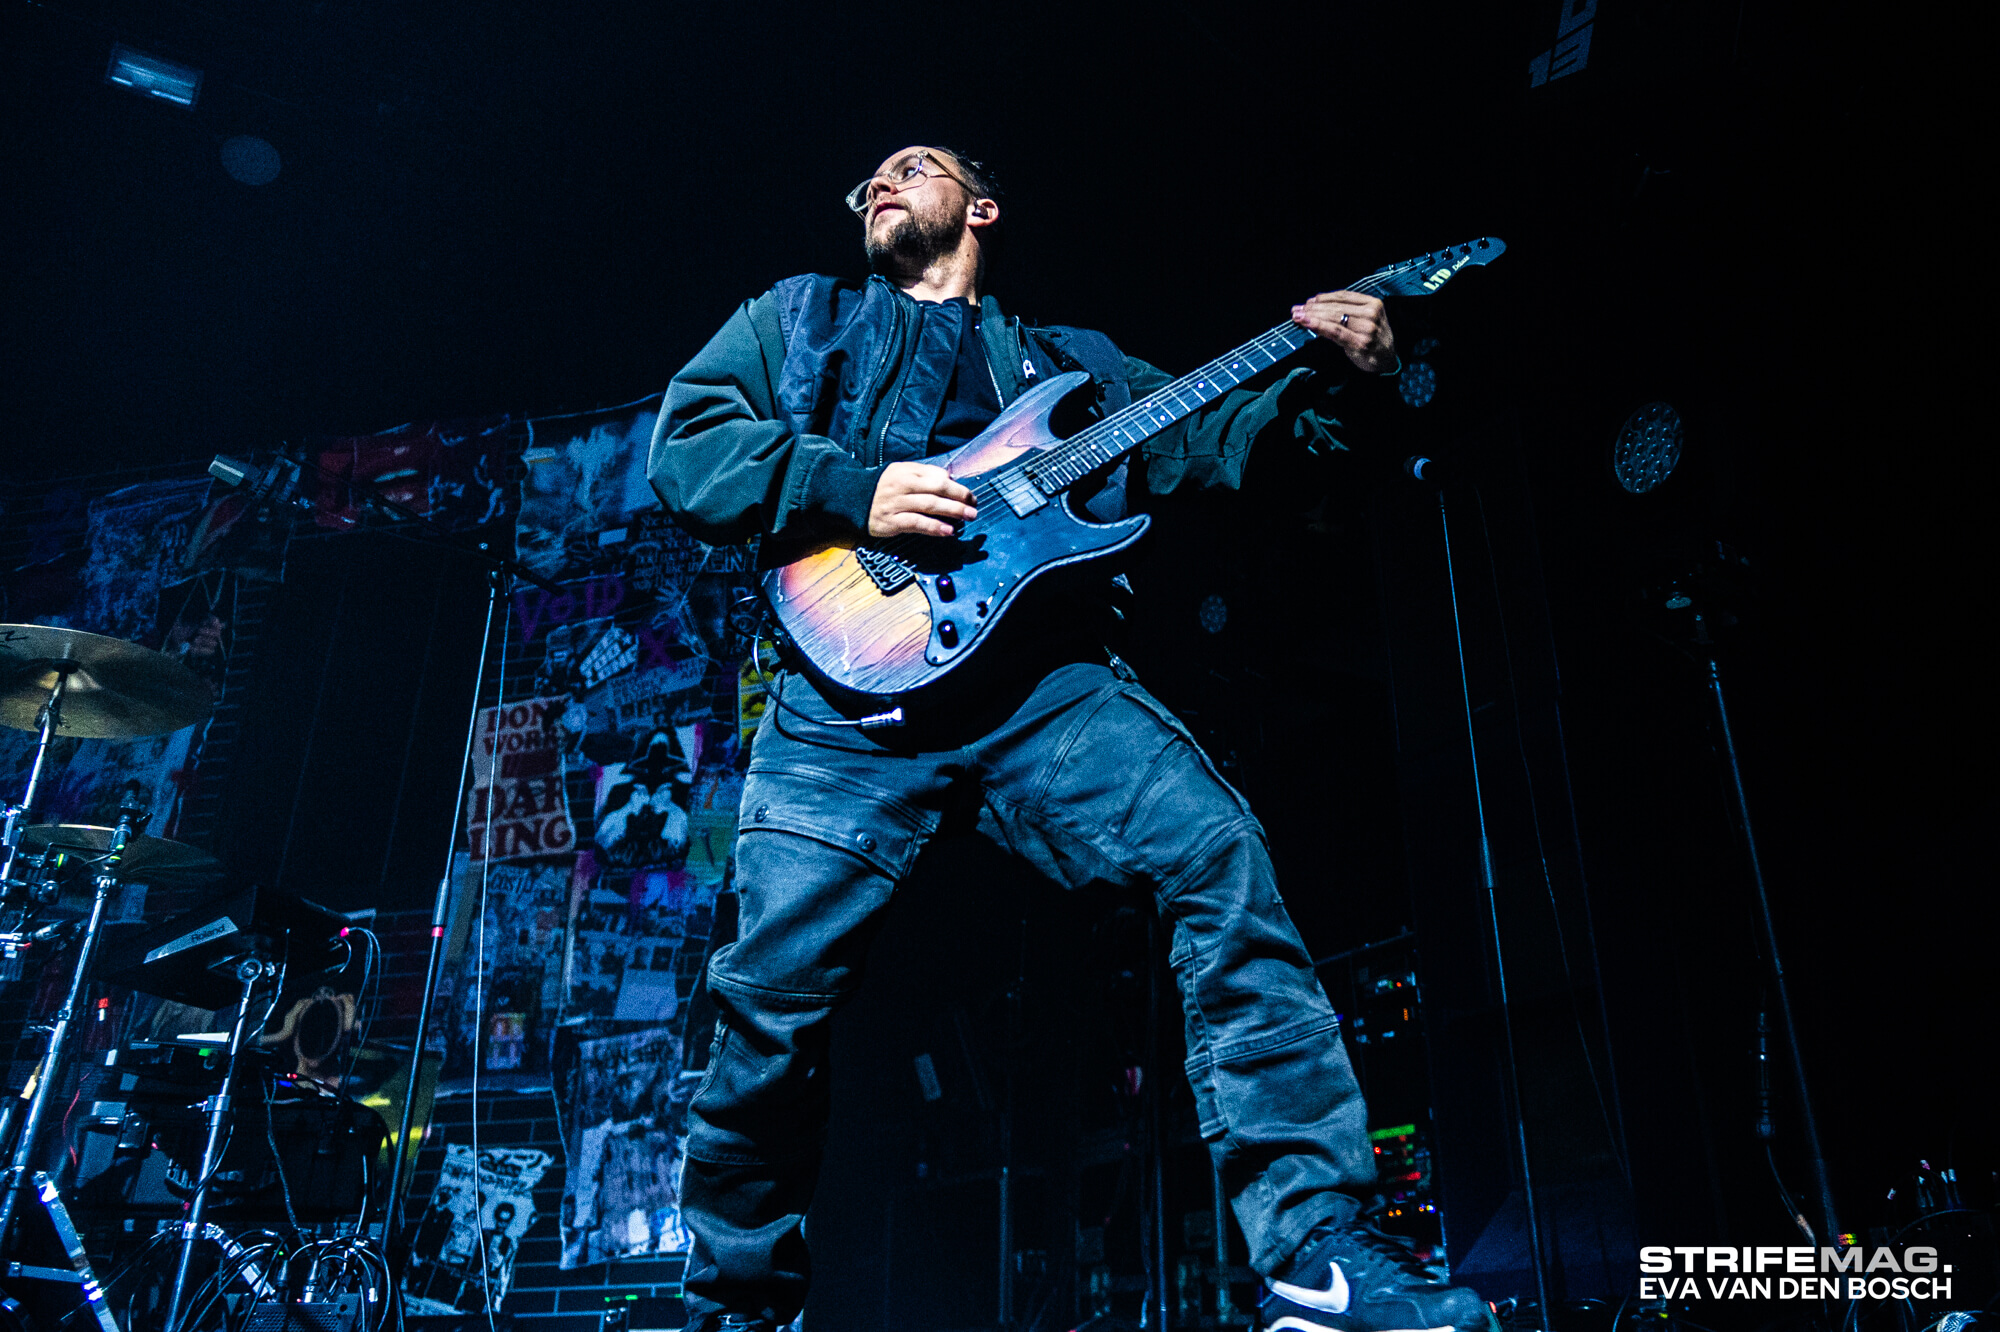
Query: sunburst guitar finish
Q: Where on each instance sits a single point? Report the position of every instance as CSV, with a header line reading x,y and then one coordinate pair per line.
x,y
887,620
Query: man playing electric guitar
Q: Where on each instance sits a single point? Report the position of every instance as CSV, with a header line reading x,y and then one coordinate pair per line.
x,y
808,419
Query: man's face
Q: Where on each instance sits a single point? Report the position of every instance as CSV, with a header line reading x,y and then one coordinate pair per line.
x,y
910,229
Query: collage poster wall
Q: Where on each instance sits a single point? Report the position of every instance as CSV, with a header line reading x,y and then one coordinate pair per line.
x,y
606,782
130,564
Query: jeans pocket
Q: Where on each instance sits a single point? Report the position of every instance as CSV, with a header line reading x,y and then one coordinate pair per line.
x,y
1207,1106
836,810
1167,718
718,1046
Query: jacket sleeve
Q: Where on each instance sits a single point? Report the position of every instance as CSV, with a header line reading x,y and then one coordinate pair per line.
x,y
726,465
1211,447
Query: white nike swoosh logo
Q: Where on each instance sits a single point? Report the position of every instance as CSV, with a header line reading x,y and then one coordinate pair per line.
x,y
1332,1300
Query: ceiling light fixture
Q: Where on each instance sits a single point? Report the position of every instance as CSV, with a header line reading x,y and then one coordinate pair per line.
x,y
151,76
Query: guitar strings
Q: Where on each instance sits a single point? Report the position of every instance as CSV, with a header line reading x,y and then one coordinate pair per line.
x,y
1085,442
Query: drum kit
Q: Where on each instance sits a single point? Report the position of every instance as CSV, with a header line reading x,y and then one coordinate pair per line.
x,y
59,682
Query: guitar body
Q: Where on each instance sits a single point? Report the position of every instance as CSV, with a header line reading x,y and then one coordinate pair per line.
x,y
929,601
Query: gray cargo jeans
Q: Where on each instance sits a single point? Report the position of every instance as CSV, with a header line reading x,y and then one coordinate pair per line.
x,y
1092,781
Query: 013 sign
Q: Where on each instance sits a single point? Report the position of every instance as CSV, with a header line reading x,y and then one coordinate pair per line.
x,y
518,806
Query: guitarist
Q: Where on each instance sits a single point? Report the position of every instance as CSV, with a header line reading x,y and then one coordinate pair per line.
x,y
809,415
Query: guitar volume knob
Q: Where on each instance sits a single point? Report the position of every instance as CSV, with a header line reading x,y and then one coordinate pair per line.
x,y
948,634
946,589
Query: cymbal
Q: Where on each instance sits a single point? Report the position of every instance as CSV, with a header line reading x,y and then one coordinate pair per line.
x,y
116,690
147,858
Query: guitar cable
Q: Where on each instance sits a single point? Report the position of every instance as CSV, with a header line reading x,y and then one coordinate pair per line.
x,y
875,721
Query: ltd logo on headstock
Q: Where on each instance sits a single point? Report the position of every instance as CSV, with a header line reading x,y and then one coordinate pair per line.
x,y
1423,275
1443,275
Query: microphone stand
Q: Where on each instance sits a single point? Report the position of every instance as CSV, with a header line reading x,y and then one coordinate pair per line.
x,y
501,569
21,1169
1491,885
1767,928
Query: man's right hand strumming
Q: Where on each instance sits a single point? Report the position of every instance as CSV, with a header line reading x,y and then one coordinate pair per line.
x,y
917,497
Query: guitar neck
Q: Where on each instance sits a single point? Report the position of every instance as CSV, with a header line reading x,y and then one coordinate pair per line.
x,y
1106,441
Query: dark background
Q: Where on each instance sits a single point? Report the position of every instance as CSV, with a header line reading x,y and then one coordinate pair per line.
x,y
1756,212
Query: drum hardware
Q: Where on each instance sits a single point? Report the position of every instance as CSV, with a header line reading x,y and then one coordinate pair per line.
x,y
251,972
91,687
87,686
146,859
81,1273
131,819
99,688
51,718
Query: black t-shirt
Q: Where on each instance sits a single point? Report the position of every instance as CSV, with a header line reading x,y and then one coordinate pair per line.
x,y
970,401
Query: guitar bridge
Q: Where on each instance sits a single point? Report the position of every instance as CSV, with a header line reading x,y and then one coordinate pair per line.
x,y
890,574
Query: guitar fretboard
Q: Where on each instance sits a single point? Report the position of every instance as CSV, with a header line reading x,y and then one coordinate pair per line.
x,y
1103,443
1062,465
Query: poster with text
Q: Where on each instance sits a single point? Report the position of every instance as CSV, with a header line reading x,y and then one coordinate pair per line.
x,y
507,980
518,807
462,1255
621,1115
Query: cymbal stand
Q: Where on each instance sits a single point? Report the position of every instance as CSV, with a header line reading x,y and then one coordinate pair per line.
x,y
39,888
250,972
130,819
19,816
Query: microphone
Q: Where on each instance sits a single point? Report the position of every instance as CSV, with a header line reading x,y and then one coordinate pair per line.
x,y
1456,470
1429,471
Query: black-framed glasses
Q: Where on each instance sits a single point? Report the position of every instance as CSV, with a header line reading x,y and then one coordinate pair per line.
x,y
903,174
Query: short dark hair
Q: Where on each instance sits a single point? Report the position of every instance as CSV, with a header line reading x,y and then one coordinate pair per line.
x,y
978,178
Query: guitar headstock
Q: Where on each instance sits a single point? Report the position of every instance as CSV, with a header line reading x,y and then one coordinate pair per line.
x,y
1428,272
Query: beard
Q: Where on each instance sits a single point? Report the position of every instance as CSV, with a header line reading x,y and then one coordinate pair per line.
x,y
914,242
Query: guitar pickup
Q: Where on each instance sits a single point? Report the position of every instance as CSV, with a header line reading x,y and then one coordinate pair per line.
x,y
889,573
1018,488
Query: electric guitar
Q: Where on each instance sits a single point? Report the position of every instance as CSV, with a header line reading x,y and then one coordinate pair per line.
x,y
888,619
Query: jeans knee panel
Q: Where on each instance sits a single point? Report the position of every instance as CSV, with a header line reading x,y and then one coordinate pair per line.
x,y
833,808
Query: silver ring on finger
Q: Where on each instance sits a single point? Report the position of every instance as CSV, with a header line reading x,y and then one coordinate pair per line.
x,y
1343,321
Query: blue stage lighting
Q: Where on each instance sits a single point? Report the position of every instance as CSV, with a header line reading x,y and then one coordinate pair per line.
x,y
153,77
1648,448
1418,383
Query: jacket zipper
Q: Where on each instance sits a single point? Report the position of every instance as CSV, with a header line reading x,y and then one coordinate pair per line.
x,y
882,439
989,373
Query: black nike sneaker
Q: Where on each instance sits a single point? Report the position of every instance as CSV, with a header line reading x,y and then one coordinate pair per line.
x,y
1357,1279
